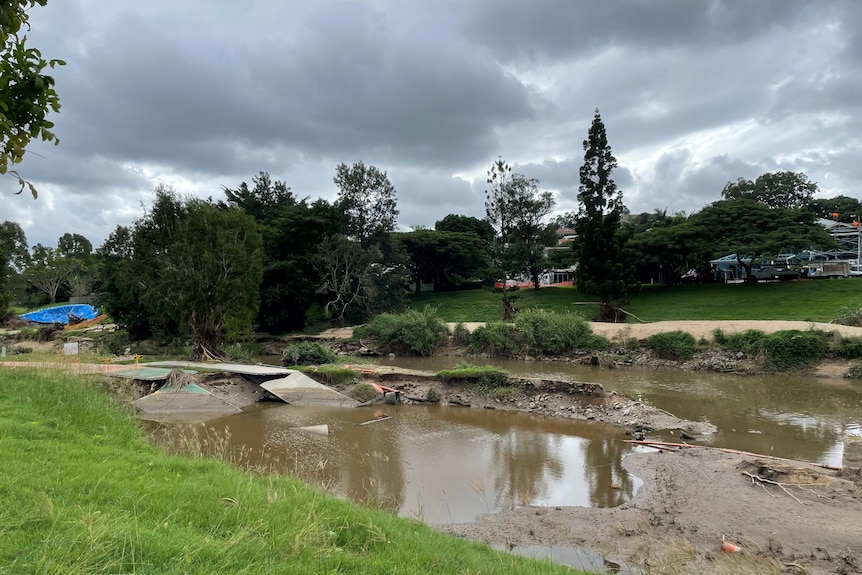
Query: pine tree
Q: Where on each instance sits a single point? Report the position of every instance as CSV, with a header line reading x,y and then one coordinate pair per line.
x,y
598,248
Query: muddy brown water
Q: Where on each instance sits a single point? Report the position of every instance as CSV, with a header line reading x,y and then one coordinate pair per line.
x,y
446,465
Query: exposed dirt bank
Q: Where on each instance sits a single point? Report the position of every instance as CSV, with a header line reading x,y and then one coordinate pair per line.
x,y
690,501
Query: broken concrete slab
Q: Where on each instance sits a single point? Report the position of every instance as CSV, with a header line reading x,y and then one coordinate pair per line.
x,y
300,390
181,394
239,368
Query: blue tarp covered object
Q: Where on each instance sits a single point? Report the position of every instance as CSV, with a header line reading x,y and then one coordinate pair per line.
x,y
60,314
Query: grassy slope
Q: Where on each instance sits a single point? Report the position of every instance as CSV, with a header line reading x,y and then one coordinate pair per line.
x,y
817,300
81,492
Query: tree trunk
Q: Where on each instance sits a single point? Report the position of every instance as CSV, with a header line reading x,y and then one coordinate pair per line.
x,y
535,278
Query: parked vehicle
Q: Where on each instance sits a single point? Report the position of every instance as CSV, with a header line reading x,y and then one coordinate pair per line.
x,y
775,273
829,269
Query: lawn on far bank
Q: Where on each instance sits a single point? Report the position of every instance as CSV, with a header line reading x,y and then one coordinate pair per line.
x,y
82,493
805,300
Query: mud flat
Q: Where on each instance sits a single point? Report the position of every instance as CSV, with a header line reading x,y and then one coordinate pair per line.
x,y
781,517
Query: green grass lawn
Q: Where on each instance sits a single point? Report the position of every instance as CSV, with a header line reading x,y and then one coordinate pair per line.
x,y
81,492
808,300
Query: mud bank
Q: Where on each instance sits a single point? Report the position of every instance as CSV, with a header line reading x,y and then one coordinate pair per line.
x,y
782,517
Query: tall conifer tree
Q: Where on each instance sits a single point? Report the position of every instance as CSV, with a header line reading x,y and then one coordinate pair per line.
x,y
598,247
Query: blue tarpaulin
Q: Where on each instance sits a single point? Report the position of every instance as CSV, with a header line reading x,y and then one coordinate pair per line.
x,y
60,314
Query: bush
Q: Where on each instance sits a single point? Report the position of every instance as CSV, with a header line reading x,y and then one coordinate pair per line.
x,y
242,352
850,316
536,333
749,342
850,348
548,333
363,392
794,349
419,332
676,345
484,376
497,339
460,335
307,353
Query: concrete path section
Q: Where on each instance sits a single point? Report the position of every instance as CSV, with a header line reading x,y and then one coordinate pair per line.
x,y
225,367
300,390
186,399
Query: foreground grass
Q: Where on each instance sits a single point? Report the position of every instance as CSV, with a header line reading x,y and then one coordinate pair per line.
x,y
82,492
811,300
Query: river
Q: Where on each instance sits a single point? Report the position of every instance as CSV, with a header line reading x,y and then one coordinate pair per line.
x,y
443,464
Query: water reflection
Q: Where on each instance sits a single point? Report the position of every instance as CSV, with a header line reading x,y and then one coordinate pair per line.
x,y
787,416
437,464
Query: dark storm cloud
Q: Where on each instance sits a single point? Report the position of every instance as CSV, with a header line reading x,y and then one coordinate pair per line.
x,y
562,29
198,95
338,90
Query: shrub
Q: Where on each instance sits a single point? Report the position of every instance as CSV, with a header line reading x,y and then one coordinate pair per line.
x,y
363,392
548,333
484,376
242,352
676,345
749,341
850,316
307,353
460,335
419,332
497,339
850,348
793,349
718,336
536,333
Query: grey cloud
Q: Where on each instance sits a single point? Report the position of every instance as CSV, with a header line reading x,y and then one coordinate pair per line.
x,y
559,29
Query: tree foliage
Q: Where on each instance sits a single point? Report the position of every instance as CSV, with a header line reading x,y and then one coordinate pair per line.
x,y
49,270
847,208
774,190
445,259
191,267
599,245
367,200
753,231
27,94
292,231
13,258
466,224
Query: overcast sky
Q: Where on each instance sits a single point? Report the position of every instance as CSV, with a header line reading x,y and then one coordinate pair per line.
x,y
200,94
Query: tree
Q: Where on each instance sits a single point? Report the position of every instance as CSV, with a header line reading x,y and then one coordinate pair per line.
x,y
264,200
343,266
26,93
446,259
466,224
78,248
530,236
367,200
601,269
13,258
292,231
847,208
752,231
49,270
117,292
774,190
206,273
498,215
